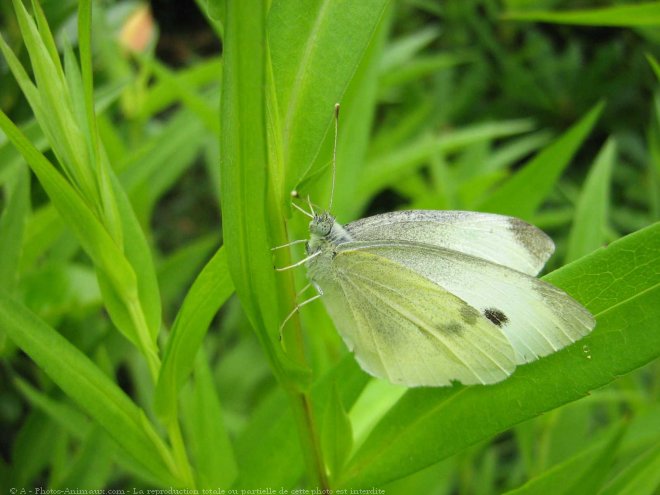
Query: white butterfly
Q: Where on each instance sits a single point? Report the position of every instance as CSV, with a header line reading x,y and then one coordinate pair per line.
x,y
424,298
427,297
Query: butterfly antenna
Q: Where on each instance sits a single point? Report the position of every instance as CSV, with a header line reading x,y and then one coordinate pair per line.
x,y
334,156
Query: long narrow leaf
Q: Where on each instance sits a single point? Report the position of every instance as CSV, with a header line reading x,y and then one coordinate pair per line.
x,y
589,225
209,292
524,192
89,387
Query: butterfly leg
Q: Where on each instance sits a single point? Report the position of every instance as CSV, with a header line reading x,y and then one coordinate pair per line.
x,y
292,243
296,309
301,262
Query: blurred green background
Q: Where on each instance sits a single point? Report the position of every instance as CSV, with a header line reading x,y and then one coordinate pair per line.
x,y
504,106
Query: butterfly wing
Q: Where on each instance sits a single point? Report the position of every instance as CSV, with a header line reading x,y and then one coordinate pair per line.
x,y
536,317
500,239
406,329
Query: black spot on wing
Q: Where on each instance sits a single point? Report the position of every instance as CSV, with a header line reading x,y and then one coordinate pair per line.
x,y
496,316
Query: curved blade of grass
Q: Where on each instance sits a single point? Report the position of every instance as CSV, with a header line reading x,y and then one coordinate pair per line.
x,y
89,387
641,477
590,219
641,14
111,262
576,470
524,192
619,284
389,166
213,452
208,293
316,47
76,424
12,226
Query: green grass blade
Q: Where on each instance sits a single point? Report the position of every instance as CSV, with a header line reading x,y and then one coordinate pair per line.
x,y
389,166
178,270
641,477
213,452
304,37
12,226
89,387
208,293
336,434
653,62
524,192
641,14
618,284
207,114
115,274
575,470
590,220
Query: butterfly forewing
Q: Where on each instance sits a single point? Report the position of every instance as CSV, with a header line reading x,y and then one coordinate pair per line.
x,y
536,317
405,328
500,239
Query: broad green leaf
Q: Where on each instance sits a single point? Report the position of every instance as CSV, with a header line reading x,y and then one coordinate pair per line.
x,y
524,192
618,284
355,124
208,293
315,47
89,387
641,14
246,192
590,220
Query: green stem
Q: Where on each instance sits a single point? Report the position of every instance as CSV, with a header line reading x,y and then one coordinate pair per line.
x,y
308,434
180,454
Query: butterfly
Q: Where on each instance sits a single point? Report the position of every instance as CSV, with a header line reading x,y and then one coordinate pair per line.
x,y
426,297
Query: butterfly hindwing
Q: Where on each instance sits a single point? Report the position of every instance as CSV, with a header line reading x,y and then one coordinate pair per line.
x,y
500,239
536,317
406,329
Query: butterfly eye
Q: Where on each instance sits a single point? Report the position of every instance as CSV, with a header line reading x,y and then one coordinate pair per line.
x,y
321,225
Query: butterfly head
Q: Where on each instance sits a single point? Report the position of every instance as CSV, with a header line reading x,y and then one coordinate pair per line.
x,y
321,225
324,231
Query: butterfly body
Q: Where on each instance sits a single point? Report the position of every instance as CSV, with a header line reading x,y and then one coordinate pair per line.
x,y
424,298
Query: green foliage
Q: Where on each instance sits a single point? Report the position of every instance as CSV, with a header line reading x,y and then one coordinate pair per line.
x,y
126,360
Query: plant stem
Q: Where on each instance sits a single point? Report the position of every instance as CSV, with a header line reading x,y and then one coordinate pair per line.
x,y
180,454
308,434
